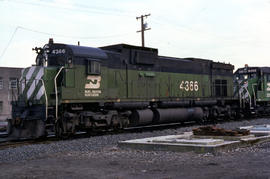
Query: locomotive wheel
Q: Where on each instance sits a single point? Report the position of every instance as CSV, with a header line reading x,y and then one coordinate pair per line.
x,y
205,117
228,112
9,127
115,123
201,121
206,114
59,130
214,113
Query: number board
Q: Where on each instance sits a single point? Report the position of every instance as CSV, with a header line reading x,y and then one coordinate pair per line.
x,y
58,51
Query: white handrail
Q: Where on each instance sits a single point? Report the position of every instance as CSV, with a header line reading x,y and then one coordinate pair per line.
x,y
56,93
255,97
249,97
240,99
46,98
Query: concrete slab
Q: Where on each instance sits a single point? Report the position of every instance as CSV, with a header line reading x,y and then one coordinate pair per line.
x,y
192,141
229,138
188,142
258,130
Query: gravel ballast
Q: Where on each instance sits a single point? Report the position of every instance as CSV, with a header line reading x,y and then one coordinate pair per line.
x,y
99,157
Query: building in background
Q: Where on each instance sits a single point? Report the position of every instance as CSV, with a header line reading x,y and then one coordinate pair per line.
x,y
8,90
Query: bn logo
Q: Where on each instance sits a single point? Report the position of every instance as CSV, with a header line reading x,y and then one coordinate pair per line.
x,y
93,82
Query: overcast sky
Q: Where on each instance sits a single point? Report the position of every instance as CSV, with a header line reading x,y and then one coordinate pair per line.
x,y
231,31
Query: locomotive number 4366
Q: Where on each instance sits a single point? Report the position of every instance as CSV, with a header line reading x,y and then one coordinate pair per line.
x,y
189,85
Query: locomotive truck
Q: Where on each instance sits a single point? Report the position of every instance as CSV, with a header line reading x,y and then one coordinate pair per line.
x,y
74,87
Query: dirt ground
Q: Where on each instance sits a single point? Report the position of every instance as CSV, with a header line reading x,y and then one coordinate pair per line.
x,y
113,163
100,157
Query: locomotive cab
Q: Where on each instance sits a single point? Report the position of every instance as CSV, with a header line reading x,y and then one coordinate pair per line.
x,y
59,74
252,87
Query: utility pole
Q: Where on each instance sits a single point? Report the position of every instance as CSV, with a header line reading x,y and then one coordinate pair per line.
x,y
143,26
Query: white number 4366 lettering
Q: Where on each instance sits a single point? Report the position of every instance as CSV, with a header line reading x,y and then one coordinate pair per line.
x,y
58,51
189,85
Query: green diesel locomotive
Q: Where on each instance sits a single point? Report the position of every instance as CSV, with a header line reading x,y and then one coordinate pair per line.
x,y
73,88
252,88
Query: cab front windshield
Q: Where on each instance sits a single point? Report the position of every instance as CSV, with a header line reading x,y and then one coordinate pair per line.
x,y
57,56
56,60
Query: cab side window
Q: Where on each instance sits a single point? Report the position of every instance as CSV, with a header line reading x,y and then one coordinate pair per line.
x,y
93,67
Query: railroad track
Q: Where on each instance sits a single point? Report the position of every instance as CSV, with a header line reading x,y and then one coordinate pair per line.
x,y
6,142
13,143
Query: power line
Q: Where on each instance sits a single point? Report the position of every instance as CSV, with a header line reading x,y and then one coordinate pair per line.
x,y
58,35
74,37
9,42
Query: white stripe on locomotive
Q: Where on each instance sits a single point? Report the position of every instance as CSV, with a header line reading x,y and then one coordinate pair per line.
x,y
34,84
40,92
29,74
